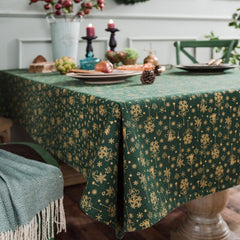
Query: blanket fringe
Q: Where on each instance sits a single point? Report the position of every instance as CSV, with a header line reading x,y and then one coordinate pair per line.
x,y
41,227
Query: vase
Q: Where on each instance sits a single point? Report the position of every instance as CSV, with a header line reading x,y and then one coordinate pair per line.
x,y
65,36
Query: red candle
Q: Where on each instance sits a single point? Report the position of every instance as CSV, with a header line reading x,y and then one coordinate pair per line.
x,y
111,24
90,30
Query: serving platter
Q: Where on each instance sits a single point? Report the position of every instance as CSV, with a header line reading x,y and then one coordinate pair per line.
x,y
117,76
204,68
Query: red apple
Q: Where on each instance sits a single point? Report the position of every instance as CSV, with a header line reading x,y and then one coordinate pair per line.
x,y
104,66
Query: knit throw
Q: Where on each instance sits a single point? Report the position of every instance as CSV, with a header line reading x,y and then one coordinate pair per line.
x,y
31,199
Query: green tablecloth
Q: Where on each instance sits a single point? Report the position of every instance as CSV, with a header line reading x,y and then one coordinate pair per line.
x,y
144,149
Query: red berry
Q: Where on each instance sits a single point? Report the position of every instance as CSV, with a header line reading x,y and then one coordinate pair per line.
x,y
47,6
58,6
61,2
101,6
87,11
77,1
100,1
33,1
48,1
67,3
89,5
58,12
83,5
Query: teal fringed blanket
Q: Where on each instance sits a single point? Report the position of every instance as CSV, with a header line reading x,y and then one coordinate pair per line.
x,y
31,199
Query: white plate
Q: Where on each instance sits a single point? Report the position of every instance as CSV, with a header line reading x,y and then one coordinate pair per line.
x,y
204,68
113,73
116,76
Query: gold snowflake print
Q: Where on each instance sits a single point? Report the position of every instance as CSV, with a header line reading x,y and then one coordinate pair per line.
x,y
134,199
102,110
219,172
86,202
153,197
218,99
205,139
136,111
183,107
184,186
99,178
149,125
215,151
187,136
203,106
154,147
145,224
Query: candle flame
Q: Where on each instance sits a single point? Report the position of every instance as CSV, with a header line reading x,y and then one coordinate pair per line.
x,y
110,21
90,25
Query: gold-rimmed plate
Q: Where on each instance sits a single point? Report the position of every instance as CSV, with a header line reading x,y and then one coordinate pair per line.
x,y
117,76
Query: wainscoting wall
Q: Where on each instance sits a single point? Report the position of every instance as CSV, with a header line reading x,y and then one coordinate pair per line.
x,y
154,24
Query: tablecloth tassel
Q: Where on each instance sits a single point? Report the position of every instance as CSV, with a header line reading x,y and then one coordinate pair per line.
x,y
41,227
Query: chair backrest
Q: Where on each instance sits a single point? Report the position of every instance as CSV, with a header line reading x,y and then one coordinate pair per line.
x,y
181,45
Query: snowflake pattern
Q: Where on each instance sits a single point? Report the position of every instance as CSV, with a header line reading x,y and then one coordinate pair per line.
x,y
162,143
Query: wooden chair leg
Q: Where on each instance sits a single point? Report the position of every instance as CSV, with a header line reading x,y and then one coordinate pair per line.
x,y
5,129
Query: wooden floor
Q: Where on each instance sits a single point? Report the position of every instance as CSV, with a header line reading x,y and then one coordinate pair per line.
x,y
82,227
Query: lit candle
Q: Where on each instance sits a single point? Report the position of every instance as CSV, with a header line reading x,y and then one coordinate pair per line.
x,y
111,24
90,30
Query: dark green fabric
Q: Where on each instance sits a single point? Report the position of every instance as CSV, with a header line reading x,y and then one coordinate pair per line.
x,y
144,149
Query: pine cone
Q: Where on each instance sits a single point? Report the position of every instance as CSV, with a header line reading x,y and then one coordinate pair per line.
x,y
156,70
147,77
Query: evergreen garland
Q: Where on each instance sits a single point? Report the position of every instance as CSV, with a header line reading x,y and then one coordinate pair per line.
x,y
130,1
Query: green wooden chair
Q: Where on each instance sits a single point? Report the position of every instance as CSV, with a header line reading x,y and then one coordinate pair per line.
x,y
182,45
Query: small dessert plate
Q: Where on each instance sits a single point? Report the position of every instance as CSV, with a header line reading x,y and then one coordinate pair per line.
x,y
204,68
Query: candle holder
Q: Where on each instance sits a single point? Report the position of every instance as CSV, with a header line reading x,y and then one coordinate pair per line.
x,y
112,41
89,62
89,45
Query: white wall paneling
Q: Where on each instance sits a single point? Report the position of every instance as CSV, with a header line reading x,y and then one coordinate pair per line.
x,y
162,47
26,34
28,49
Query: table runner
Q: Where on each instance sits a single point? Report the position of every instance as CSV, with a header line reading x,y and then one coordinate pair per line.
x,y
144,149
31,199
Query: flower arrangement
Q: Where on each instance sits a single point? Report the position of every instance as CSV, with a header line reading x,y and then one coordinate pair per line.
x,y
66,7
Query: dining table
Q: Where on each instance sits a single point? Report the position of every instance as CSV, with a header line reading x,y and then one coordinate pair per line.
x,y
145,149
